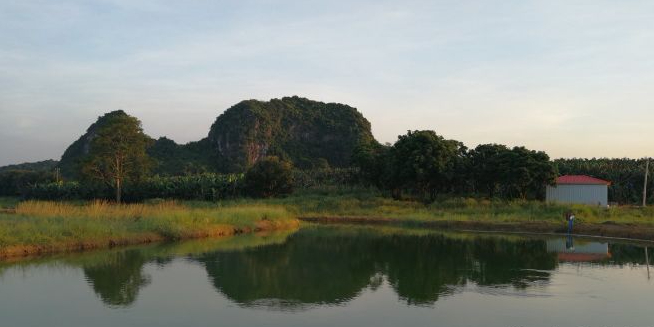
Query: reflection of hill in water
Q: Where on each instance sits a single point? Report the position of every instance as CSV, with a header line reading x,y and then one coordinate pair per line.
x,y
319,266
306,269
333,265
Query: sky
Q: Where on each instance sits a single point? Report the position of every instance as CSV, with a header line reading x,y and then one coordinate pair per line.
x,y
572,78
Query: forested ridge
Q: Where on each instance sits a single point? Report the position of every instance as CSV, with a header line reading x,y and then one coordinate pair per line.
x,y
322,143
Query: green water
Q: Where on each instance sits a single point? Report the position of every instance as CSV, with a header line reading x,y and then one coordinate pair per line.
x,y
337,276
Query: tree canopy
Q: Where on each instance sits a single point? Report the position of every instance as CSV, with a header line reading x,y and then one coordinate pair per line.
x,y
424,164
423,161
117,153
269,177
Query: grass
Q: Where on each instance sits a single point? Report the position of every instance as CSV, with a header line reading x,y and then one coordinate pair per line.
x,y
38,226
367,203
156,250
8,202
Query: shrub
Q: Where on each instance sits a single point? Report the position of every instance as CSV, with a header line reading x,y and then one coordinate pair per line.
x,y
269,177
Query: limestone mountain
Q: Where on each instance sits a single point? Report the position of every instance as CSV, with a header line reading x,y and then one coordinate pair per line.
x,y
308,133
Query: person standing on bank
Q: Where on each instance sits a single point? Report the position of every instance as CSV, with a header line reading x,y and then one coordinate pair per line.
x,y
570,218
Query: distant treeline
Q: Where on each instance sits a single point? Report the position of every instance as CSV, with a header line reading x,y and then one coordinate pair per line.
x,y
420,165
206,186
424,164
626,176
46,165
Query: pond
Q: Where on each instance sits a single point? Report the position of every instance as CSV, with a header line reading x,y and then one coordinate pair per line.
x,y
337,276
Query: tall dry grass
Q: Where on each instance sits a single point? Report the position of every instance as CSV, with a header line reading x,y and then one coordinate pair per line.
x,y
48,226
96,209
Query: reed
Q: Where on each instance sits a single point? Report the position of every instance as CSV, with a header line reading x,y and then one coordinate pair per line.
x,y
370,203
41,226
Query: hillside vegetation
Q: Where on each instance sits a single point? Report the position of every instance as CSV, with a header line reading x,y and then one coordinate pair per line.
x,y
305,132
326,144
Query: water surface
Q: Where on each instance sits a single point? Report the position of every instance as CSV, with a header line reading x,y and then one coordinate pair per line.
x,y
346,276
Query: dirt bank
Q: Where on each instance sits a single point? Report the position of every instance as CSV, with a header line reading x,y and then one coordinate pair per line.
x,y
608,229
145,238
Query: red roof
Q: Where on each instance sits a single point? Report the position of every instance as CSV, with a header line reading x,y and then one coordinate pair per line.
x,y
582,257
581,179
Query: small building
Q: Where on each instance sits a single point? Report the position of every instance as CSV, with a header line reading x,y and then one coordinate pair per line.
x,y
579,189
569,250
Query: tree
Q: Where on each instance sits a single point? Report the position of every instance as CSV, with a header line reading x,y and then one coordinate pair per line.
x,y
17,182
424,162
269,177
372,162
117,153
486,171
526,172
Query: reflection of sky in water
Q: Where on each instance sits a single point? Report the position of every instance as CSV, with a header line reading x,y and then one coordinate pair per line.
x,y
181,293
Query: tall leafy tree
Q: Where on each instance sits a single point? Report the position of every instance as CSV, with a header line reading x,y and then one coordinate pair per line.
x,y
117,153
423,162
269,177
372,162
486,167
526,172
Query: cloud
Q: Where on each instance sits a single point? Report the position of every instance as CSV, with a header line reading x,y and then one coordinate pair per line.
x,y
554,75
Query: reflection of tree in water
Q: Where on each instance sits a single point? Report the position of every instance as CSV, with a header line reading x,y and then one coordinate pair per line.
x,y
518,263
306,270
332,266
118,279
627,254
319,267
422,268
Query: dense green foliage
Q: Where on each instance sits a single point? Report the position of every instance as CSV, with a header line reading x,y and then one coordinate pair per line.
x,y
117,154
206,187
326,177
510,173
18,182
626,176
425,164
202,187
172,159
72,159
69,190
269,177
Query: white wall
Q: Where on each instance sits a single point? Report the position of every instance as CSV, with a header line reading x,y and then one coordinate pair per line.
x,y
583,194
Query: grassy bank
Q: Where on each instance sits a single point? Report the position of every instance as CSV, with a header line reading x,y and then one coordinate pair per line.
x,y
361,206
8,203
44,227
370,204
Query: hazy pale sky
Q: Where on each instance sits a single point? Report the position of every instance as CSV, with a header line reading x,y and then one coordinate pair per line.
x,y
573,78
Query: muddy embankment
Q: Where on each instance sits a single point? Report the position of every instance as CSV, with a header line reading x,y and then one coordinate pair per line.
x,y
29,250
608,229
